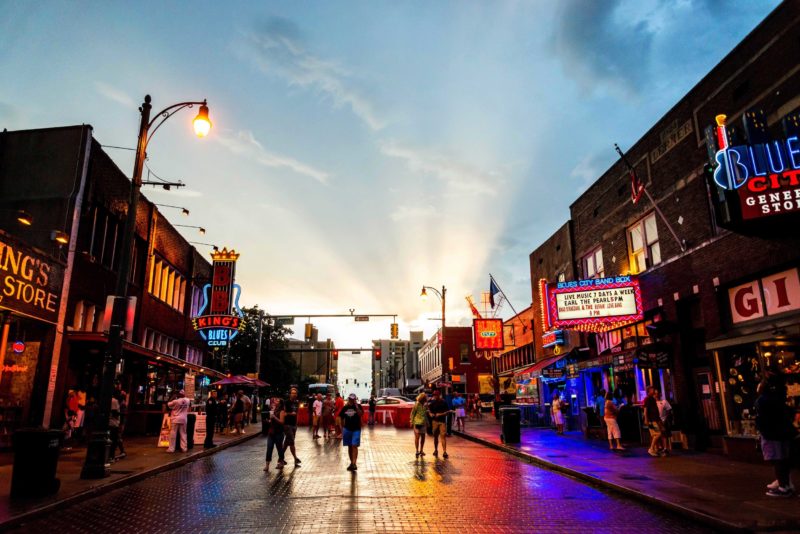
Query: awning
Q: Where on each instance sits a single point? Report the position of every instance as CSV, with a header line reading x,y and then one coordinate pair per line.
x,y
773,330
538,366
155,357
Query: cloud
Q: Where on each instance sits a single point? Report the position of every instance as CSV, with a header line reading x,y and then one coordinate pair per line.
x,y
589,169
602,43
245,143
114,94
278,49
406,213
456,175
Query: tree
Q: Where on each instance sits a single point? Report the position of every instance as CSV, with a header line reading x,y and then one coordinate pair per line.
x,y
277,367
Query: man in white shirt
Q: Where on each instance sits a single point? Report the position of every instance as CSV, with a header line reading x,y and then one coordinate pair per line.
x,y
179,408
317,411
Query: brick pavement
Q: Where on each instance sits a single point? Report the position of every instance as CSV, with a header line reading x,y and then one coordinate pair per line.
x,y
724,491
143,458
476,490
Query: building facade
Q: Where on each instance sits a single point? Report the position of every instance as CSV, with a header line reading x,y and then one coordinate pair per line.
x,y
451,359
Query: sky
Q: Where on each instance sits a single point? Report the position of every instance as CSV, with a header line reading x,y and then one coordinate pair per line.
x,y
362,149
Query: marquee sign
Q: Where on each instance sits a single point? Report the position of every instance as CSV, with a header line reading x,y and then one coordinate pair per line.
x,y
595,305
764,174
488,334
220,318
30,282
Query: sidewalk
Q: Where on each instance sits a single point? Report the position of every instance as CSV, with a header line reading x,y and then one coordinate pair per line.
x,y
709,488
143,460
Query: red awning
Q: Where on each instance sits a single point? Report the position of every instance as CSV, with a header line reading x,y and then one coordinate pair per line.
x,y
538,366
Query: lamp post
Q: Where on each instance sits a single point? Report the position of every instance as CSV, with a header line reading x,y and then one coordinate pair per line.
x,y
199,228
442,297
96,464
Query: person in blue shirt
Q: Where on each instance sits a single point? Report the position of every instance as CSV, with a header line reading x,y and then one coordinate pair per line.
x,y
459,407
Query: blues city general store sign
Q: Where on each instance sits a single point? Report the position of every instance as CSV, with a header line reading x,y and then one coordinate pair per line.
x,y
220,318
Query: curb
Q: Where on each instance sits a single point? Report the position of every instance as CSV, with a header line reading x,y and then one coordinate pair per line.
x,y
695,515
119,483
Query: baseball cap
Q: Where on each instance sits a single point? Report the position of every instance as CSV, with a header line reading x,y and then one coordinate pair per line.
x,y
352,396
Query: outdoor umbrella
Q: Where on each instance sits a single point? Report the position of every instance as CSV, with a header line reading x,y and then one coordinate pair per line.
x,y
233,380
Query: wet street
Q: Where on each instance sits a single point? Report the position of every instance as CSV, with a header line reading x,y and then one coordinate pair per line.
x,y
476,490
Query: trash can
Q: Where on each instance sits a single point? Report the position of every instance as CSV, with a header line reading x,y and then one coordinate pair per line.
x,y
191,419
35,462
510,416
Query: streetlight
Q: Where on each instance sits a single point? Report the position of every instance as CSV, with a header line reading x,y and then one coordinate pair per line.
x,y
212,245
442,296
96,464
199,228
184,211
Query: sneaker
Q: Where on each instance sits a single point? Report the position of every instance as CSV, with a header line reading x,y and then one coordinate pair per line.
x,y
445,455
435,453
417,454
780,492
297,462
355,467
422,453
351,467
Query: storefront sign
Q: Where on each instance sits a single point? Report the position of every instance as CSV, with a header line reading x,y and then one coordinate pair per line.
x,y
163,436
595,305
771,295
30,283
220,318
18,347
624,362
488,334
553,373
552,338
199,428
658,360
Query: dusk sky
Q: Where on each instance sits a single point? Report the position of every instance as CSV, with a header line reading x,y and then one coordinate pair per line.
x,y
362,149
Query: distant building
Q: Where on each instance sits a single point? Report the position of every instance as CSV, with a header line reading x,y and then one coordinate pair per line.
x,y
317,365
468,371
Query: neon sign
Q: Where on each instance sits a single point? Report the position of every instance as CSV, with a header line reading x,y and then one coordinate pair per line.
x,y
488,334
765,175
595,305
552,338
224,319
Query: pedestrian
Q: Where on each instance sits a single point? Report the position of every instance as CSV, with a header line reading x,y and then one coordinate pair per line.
x,y
211,418
113,428
222,414
438,411
610,413
317,419
327,416
338,408
351,435
179,408
372,405
275,435
237,412
460,412
557,413
476,406
417,422
665,415
290,407
652,420
248,407
774,423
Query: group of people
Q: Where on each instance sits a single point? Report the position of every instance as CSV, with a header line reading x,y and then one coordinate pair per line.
x,y
233,412
433,414
325,414
283,427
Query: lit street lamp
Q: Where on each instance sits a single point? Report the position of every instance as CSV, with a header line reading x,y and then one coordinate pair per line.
x,y
199,228
96,464
442,297
184,211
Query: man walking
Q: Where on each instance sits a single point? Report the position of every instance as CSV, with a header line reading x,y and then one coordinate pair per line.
x,y
211,419
351,435
338,408
237,412
372,405
438,412
317,415
290,424
179,408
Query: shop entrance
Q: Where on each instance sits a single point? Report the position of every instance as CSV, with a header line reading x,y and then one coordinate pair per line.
x,y
709,403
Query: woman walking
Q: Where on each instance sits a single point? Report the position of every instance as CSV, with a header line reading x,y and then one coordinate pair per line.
x,y
558,416
275,434
610,413
417,421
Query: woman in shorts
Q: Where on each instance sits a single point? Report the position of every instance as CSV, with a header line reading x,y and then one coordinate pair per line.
x,y
418,422
610,412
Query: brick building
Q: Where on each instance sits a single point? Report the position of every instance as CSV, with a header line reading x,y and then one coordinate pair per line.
x,y
466,368
720,291
71,184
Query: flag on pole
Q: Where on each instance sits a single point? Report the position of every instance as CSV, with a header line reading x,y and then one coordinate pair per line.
x,y
475,313
637,186
493,290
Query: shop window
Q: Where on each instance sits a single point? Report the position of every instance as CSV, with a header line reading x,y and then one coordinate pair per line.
x,y
86,317
593,264
105,238
167,285
643,246
464,353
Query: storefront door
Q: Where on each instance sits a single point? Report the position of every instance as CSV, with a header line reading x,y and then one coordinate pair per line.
x,y
709,399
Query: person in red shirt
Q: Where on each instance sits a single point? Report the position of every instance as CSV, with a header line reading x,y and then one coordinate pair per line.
x,y
337,411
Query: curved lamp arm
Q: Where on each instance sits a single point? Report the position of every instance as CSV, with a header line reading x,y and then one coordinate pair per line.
x,y
435,291
166,113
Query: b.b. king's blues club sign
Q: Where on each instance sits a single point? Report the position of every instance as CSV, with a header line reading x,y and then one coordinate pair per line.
x,y
220,318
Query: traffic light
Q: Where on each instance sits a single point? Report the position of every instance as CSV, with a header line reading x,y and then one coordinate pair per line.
x,y
394,331
336,355
309,331
377,353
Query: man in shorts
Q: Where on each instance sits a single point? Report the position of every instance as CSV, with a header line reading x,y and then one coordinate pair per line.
x,y
351,433
290,424
438,412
